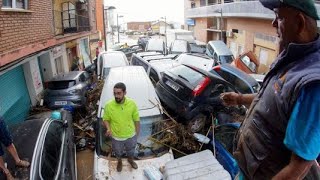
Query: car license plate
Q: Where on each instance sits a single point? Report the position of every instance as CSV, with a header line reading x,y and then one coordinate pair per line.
x,y
173,86
60,103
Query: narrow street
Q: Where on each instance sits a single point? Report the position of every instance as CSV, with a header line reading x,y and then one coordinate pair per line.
x,y
159,90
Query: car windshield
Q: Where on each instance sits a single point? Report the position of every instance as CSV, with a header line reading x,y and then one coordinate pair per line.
x,y
199,62
155,45
145,148
197,48
57,85
179,46
226,59
113,60
188,74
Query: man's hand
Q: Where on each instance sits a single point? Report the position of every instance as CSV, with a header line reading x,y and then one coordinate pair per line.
x,y
230,98
109,133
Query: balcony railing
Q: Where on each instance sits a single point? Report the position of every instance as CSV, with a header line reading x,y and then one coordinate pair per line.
x,y
69,22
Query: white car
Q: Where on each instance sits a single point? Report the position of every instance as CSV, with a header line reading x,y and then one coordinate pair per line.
x,y
109,59
148,153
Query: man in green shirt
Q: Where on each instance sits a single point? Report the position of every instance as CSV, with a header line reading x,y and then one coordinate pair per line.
x,y
121,117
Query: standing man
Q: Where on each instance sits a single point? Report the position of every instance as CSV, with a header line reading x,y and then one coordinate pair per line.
x,y
280,137
121,117
6,140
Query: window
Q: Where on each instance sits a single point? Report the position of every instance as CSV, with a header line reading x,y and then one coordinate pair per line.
x,y
51,150
69,17
193,4
153,76
238,83
18,4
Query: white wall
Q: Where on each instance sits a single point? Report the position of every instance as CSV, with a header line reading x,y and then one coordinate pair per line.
x,y
33,79
48,67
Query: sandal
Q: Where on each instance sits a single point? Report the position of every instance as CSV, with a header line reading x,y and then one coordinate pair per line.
x,y
23,163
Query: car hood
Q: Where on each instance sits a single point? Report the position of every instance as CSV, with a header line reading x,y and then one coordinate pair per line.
x,y
106,167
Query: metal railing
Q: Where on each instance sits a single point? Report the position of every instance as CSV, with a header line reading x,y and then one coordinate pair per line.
x,y
70,22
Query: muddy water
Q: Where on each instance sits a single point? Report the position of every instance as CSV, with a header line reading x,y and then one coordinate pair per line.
x,y
85,164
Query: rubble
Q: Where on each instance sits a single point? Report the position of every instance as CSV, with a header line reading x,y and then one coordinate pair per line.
x,y
84,120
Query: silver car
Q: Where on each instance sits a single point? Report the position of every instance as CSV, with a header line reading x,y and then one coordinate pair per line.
x,y
68,89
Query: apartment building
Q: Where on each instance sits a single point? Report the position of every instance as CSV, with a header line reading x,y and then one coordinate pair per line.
x,y
244,25
38,40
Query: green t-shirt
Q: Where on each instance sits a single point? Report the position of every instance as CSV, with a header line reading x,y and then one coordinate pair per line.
x,y
121,117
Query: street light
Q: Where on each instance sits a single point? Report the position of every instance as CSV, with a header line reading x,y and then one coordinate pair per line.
x,y
118,27
105,10
165,27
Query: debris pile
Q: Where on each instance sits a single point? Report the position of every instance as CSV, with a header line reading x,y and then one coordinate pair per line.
x,y
84,120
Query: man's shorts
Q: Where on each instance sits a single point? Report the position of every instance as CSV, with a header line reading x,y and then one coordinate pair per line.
x,y
5,136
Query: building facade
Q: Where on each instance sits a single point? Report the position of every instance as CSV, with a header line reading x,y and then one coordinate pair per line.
x,y
38,40
244,25
139,26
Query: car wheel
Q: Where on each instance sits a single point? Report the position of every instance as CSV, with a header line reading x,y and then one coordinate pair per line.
x,y
197,123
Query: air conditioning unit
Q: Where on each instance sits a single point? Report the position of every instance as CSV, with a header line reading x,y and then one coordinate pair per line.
x,y
229,34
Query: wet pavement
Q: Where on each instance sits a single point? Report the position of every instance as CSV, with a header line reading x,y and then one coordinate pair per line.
x,y
85,164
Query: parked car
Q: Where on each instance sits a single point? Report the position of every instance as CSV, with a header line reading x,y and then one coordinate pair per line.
x,y
156,68
219,51
128,51
67,89
107,60
148,153
142,60
247,62
191,93
48,144
198,48
243,82
179,47
198,60
143,40
156,45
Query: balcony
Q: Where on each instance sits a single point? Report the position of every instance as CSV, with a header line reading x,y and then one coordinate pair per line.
x,y
71,17
249,9
234,8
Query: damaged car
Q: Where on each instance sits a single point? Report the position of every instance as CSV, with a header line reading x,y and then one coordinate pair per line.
x,y
48,144
192,94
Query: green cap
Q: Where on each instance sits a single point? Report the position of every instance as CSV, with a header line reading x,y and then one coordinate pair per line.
x,y
306,6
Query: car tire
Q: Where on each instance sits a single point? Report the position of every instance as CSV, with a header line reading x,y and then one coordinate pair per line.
x,y
197,123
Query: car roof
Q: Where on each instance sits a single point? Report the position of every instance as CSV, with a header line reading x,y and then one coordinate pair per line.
x,y
139,88
239,73
220,47
163,64
161,56
204,62
72,75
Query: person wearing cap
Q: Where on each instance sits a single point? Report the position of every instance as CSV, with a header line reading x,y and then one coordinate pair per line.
x,y
280,136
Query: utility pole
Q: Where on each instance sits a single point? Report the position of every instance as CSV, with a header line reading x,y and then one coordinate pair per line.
x,y
118,27
104,23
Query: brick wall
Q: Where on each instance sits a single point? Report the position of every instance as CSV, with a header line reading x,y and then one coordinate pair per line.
x,y
137,26
200,31
22,28
99,16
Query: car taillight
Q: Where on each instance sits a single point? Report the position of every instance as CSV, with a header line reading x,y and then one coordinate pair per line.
x,y
198,90
217,68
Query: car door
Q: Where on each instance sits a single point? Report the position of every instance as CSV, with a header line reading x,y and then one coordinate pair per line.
x,y
57,155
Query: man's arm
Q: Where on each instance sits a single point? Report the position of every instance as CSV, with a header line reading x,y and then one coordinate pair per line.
x,y
137,125
108,130
233,99
296,169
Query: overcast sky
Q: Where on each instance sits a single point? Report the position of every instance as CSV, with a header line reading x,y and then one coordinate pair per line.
x,y
148,10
